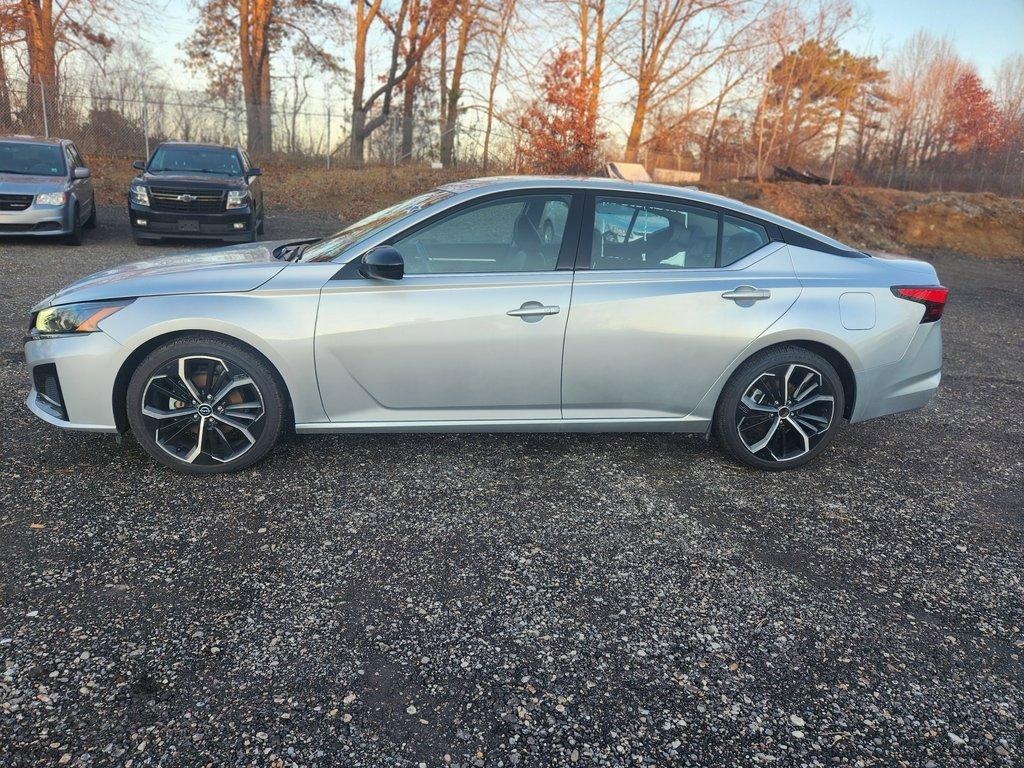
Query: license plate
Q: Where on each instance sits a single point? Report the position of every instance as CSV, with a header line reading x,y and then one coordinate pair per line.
x,y
188,225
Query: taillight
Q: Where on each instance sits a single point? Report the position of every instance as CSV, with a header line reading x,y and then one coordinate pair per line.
x,y
932,296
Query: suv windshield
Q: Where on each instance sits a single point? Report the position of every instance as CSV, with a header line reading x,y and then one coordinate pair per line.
x,y
195,160
330,247
32,159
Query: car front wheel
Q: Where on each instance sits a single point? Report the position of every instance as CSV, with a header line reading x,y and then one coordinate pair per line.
x,y
204,405
780,409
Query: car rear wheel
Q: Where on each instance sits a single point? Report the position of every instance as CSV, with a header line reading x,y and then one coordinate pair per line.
x,y
204,405
780,409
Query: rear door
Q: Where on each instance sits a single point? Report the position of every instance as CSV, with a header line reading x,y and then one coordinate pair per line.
x,y
667,294
474,330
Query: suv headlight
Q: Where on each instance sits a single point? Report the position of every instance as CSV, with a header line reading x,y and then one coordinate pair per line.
x,y
238,198
139,195
51,198
75,318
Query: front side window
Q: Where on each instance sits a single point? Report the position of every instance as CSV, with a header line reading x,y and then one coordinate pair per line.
x,y
333,246
21,157
181,159
511,234
634,233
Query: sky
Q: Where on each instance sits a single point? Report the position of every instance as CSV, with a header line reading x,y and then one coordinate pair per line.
x,y
984,31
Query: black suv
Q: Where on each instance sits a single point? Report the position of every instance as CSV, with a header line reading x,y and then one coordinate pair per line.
x,y
196,191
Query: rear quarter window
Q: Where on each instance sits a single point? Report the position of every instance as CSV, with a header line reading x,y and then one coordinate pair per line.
x,y
740,238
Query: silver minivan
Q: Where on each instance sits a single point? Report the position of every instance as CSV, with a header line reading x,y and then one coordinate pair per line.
x,y
45,189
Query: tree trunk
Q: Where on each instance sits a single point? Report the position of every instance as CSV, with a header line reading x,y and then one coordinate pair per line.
x,y
37,18
451,116
254,18
408,111
636,129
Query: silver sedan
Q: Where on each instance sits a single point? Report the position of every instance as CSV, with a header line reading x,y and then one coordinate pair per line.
x,y
526,304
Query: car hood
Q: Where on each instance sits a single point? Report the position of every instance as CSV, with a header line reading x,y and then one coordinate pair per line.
x,y
19,184
192,180
224,270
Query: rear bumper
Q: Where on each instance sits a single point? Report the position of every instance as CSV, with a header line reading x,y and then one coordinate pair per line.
x,y
36,221
86,366
234,225
905,385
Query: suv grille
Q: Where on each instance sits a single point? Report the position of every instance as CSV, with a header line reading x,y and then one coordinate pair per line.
x,y
15,202
196,200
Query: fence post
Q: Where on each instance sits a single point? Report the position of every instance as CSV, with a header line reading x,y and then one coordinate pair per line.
x,y
145,122
42,96
328,134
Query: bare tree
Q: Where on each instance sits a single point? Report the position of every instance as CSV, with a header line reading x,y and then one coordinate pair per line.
x,y
467,19
677,43
498,30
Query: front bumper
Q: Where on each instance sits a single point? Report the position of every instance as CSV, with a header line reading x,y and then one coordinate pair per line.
x,y
234,225
36,220
86,366
906,385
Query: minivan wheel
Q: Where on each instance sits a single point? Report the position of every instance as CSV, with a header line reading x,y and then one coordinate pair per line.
x,y
204,405
90,223
780,409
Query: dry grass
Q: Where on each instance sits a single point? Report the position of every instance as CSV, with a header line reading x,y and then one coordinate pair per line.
x,y
982,225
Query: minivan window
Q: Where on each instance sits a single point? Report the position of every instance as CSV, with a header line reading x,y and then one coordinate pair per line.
x,y
32,159
195,160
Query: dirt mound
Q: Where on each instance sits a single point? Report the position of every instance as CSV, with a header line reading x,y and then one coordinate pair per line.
x,y
982,225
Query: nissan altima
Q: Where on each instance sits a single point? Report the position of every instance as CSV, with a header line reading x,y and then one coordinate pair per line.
x,y
519,304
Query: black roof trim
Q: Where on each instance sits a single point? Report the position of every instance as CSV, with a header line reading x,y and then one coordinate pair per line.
x,y
800,240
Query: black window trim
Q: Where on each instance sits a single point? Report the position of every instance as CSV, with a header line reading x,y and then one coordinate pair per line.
x,y
567,253
587,233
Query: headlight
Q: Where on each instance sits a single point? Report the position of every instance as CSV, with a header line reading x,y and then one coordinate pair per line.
x,y
139,195
75,318
238,198
51,198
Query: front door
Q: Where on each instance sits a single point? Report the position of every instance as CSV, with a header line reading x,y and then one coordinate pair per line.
x,y
672,295
474,330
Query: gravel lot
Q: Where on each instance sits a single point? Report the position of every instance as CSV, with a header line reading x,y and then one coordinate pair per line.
x,y
525,600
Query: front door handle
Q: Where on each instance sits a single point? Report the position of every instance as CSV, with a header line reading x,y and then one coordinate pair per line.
x,y
532,311
747,293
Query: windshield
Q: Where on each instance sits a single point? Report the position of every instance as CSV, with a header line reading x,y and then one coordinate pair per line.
x,y
195,160
330,247
32,159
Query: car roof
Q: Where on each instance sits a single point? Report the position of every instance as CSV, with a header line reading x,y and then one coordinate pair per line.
x,y
483,185
25,139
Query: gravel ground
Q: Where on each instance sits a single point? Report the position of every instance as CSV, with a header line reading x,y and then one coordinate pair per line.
x,y
530,600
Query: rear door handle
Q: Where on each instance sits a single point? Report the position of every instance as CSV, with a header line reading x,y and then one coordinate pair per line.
x,y
747,293
532,311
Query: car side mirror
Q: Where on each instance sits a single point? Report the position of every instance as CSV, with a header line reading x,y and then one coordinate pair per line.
x,y
382,263
138,165
82,173
254,172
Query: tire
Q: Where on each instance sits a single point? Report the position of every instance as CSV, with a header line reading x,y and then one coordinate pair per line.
x,y
262,225
232,405
74,237
90,223
760,427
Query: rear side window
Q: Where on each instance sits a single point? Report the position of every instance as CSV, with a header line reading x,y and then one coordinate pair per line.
x,y
740,238
635,233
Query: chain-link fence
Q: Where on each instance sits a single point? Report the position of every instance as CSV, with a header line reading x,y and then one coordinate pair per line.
x,y
300,129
